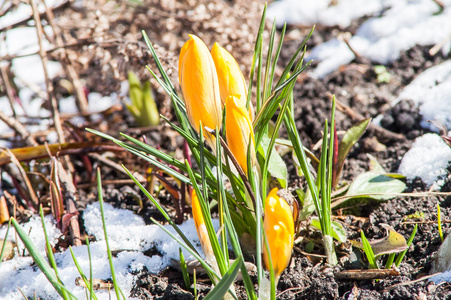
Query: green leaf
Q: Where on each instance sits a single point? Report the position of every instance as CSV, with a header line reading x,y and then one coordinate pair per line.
x,y
135,92
375,166
308,206
150,116
351,136
276,167
375,186
219,291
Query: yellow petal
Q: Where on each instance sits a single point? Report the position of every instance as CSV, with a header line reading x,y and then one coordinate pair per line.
x,y
238,131
200,226
200,87
279,230
231,79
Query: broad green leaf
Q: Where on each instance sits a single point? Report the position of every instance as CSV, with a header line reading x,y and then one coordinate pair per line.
x,y
351,136
338,232
308,206
375,186
375,166
276,167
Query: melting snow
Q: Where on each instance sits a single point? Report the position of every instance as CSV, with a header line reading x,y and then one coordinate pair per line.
x,y
126,232
428,159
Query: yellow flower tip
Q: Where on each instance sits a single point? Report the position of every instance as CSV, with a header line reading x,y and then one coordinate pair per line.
x,y
279,230
239,130
231,79
199,82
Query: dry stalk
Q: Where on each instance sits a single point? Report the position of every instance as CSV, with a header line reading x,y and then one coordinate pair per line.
x,y
70,196
381,133
24,176
66,61
8,87
19,128
48,83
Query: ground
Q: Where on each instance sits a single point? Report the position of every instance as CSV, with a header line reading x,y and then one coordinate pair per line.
x,y
108,43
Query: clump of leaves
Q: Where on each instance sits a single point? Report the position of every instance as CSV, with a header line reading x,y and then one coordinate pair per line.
x,y
390,245
143,106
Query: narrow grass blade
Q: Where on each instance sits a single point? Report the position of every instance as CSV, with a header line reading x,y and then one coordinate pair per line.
x,y
234,240
184,270
390,260
439,223
257,51
49,251
294,57
38,259
220,259
102,212
409,242
368,251
82,275
266,83
222,200
91,290
192,251
223,286
157,60
163,212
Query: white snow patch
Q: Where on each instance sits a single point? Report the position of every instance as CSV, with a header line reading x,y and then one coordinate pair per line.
x,y
307,12
404,25
445,276
126,232
431,91
428,159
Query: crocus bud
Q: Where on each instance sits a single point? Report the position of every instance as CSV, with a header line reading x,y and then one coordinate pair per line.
x,y
200,87
279,230
200,227
231,79
239,131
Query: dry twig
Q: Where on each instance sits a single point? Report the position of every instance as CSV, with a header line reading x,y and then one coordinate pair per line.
x,y
366,274
381,133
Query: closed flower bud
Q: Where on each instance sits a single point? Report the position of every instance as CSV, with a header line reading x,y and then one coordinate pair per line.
x,y
279,230
231,79
239,131
200,87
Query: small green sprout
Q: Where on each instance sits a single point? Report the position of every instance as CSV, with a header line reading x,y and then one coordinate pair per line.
x,y
382,74
393,243
143,107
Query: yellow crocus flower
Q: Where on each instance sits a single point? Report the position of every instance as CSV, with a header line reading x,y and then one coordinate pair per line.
x,y
279,230
200,87
231,79
238,131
